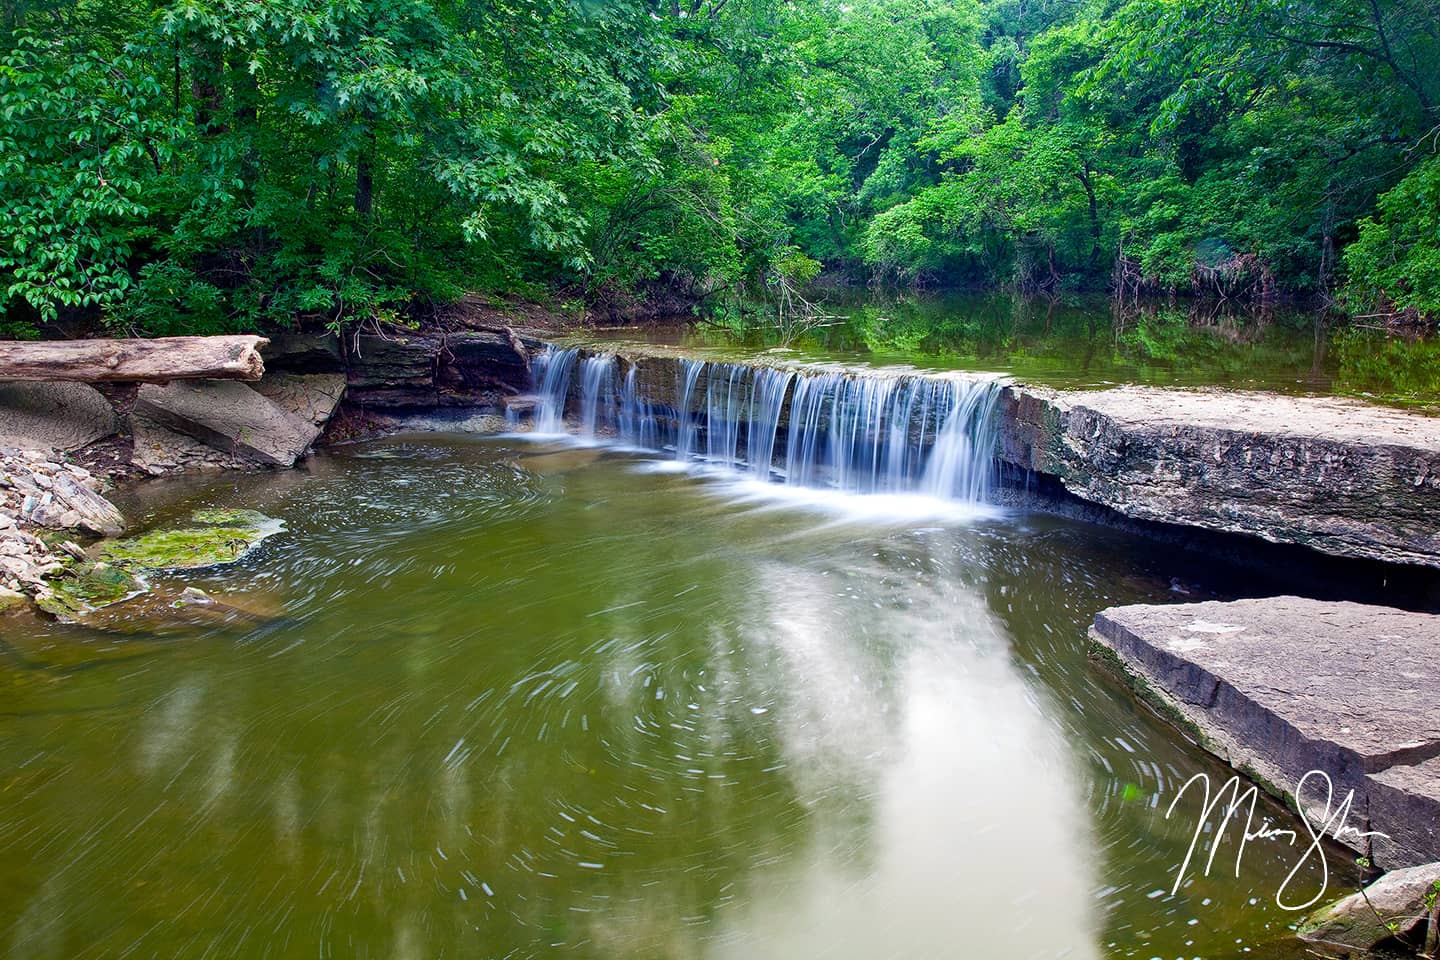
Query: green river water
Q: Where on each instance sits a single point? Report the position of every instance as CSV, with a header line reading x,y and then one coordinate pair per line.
x,y
523,701
1086,342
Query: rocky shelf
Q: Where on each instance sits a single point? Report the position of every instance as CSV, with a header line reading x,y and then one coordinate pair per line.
x,y
1282,686
1343,477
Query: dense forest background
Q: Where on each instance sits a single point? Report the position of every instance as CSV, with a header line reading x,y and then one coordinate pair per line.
x,y
217,165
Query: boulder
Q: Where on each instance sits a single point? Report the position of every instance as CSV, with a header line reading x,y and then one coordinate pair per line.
x,y
1343,477
63,416
1283,686
311,397
230,417
1398,905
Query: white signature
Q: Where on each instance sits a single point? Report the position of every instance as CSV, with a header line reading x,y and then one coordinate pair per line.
x,y
1332,824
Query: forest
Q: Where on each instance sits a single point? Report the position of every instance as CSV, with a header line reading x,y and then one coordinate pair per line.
x,y
205,166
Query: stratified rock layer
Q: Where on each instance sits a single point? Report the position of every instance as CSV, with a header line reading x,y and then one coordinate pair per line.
x,y
1340,476
1283,686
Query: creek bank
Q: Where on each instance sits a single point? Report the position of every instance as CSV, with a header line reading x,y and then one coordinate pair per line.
x,y
1335,476
41,499
1282,686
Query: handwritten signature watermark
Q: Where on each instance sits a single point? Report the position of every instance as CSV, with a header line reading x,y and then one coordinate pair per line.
x,y
1329,824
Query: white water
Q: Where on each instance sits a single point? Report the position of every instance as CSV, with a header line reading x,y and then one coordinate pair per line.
x,y
893,435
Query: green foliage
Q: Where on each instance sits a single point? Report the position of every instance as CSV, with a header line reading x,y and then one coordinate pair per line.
x,y
76,146
221,165
1397,255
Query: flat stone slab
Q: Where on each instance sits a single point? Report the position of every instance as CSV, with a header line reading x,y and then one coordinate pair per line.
x,y
311,397
62,416
1343,477
230,417
1286,685
1330,418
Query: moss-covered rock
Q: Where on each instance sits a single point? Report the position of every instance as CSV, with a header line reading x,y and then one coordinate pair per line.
x,y
219,536
11,601
86,587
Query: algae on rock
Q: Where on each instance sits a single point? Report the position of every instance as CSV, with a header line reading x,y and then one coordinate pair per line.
x,y
87,587
219,537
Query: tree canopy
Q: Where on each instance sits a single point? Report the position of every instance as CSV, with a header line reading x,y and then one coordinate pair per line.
x,y
178,166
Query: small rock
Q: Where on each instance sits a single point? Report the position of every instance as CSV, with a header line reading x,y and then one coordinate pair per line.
x,y
194,595
74,549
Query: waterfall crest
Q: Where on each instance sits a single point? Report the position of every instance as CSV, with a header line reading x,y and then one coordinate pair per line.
x,y
849,431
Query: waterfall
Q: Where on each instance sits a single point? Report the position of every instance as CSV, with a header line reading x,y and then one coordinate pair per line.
x,y
551,370
689,372
640,422
851,431
597,395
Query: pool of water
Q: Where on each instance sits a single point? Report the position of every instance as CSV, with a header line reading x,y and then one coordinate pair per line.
x,y
504,699
1086,342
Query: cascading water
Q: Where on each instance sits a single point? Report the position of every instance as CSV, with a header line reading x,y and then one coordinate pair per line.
x,y
597,395
551,370
640,423
872,434
848,431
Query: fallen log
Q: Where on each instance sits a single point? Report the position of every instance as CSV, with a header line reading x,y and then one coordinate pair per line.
x,y
145,361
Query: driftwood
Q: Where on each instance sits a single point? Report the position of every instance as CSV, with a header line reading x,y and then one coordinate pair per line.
x,y
145,361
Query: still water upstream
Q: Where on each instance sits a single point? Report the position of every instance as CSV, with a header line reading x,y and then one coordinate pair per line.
x,y
520,699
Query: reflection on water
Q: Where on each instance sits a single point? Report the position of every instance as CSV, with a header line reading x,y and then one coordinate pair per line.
x,y
1088,342
978,841
521,704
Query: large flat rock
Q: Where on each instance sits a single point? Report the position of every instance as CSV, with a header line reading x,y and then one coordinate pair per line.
x,y
1343,477
62,416
230,417
311,397
1283,686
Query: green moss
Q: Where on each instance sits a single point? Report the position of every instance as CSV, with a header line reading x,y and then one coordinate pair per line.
x,y
1147,692
11,601
84,588
221,536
